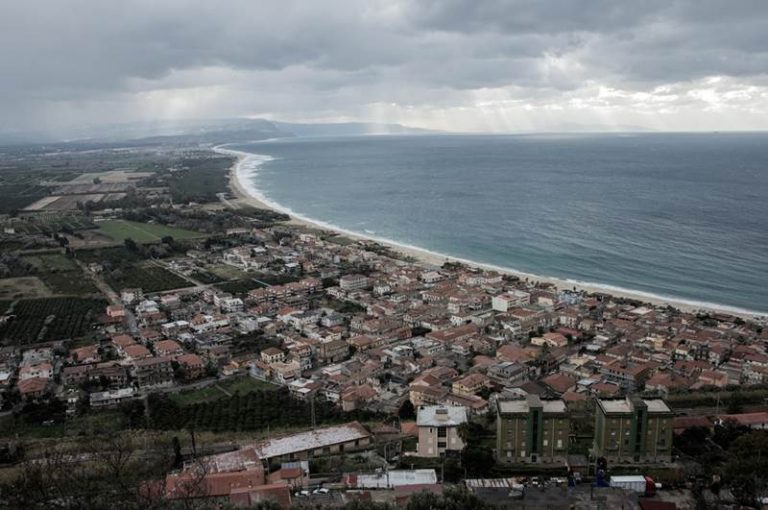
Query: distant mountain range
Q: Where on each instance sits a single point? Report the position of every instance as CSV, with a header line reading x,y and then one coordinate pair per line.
x,y
213,131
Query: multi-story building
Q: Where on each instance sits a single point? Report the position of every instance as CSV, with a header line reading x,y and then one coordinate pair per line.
x,y
630,376
510,299
508,373
332,352
353,282
272,355
439,429
470,384
633,430
154,371
531,430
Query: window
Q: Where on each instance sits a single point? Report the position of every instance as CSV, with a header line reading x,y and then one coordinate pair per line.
x,y
559,444
441,432
545,442
441,444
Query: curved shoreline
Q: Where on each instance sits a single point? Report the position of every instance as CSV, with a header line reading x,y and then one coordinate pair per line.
x,y
248,194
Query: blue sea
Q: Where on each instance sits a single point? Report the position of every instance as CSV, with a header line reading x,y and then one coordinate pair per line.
x,y
681,216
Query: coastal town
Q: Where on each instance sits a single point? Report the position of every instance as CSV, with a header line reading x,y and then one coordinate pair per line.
x,y
292,364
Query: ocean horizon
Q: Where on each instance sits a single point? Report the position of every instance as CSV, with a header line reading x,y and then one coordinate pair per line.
x,y
675,217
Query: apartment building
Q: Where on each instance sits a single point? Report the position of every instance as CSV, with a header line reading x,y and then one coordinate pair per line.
x,y
633,430
353,282
439,429
531,430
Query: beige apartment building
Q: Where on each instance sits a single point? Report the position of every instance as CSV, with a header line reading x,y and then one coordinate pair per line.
x,y
633,430
439,429
531,430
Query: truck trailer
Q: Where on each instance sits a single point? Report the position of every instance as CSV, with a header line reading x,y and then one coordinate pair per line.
x,y
637,483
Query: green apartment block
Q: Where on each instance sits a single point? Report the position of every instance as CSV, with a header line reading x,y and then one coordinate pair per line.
x,y
531,430
633,430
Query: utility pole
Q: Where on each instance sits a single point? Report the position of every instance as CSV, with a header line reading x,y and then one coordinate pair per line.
x,y
312,410
194,446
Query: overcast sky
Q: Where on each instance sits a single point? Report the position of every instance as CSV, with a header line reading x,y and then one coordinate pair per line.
x,y
475,65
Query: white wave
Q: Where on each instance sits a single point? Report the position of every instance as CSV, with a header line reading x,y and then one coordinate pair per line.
x,y
247,168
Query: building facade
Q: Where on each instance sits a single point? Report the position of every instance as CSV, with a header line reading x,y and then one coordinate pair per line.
x,y
633,430
531,430
439,429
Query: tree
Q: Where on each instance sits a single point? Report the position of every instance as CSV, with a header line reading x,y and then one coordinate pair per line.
x,y
452,499
735,403
178,460
476,458
131,245
747,468
728,432
407,411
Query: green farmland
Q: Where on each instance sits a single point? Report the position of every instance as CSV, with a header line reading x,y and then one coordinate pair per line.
x,y
120,230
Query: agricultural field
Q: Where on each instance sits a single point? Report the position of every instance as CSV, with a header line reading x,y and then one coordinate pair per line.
x,y
238,287
247,385
226,272
111,176
147,277
14,197
252,411
69,283
65,202
121,230
205,277
111,256
24,287
5,306
249,281
47,223
200,179
102,422
50,262
221,389
59,318
60,274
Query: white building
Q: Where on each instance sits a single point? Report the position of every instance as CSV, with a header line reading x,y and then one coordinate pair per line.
x,y
439,429
510,299
112,397
353,282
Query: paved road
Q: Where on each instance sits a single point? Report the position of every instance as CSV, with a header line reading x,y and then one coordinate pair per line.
x,y
111,296
226,201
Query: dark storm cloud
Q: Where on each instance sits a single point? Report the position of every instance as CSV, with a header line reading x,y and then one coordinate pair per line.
x,y
107,60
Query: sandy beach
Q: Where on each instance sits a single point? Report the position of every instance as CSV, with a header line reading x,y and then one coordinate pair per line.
x,y
431,259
